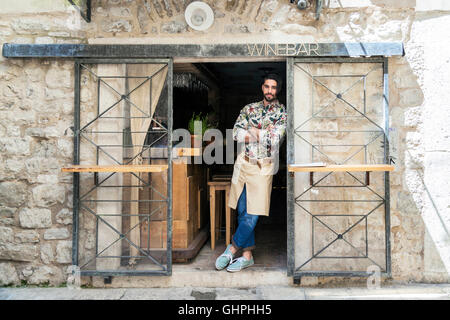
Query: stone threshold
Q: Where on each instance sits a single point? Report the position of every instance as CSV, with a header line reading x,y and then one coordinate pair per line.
x,y
184,276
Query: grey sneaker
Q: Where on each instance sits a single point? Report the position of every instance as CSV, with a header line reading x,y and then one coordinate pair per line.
x,y
239,264
224,259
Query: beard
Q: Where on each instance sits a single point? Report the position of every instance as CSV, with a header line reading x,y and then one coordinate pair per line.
x,y
270,98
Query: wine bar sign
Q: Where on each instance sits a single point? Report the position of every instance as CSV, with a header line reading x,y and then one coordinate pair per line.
x,y
352,49
283,49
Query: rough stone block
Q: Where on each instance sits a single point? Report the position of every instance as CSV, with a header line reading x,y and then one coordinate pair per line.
x,y
35,132
64,252
6,221
90,241
13,89
405,204
404,80
34,74
47,255
7,212
174,27
53,94
6,235
15,146
120,12
298,29
56,234
280,17
396,117
410,264
143,19
57,78
7,105
8,274
26,117
395,179
35,218
13,131
395,221
46,274
65,147
14,166
18,252
27,271
27,236
48,194
64,217
47,178
13,194
30,26
117,26
44,40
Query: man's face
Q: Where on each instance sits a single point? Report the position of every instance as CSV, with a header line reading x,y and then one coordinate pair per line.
x,y
269,89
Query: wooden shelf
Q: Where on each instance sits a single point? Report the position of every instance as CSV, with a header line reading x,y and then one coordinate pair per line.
x,y
350,167
188,152
116,168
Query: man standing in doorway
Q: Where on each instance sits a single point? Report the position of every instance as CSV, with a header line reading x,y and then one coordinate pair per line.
x,y
260,127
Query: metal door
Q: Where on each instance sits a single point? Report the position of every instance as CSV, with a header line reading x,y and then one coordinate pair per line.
x,y
123,118
338,222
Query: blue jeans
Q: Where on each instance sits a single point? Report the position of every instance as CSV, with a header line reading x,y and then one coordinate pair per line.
x,y
245,234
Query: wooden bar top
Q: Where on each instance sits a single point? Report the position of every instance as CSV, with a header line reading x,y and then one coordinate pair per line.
x,y
349,167
116,168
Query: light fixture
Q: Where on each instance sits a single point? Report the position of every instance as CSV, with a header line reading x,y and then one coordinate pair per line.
x,y
199,15
301,4
304,4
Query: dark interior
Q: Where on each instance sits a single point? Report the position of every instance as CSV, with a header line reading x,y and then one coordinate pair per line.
x,y
224,89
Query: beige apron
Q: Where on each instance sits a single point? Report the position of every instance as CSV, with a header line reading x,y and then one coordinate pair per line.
x,y
258,183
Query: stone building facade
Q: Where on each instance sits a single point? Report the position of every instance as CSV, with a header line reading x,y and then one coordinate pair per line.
x,y
36,112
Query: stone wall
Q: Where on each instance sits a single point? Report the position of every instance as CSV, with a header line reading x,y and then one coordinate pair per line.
x,y
36,112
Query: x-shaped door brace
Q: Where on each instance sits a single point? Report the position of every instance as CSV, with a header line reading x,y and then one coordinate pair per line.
x,y
380,201
83,133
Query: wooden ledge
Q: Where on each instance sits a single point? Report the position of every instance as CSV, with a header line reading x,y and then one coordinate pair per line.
x,y
350,167
116,168
188,152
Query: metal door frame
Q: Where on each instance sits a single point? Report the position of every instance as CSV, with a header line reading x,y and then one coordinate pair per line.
x,y
167,271
291,271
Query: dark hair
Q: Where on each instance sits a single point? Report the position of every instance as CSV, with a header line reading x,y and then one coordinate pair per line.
x,y
274,76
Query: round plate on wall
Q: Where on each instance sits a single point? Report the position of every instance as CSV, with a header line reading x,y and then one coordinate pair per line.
x,y
199,15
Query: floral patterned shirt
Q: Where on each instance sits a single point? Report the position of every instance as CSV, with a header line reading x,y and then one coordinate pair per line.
x,y
271,119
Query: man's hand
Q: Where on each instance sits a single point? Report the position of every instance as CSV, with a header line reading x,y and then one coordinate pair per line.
x,y
253,135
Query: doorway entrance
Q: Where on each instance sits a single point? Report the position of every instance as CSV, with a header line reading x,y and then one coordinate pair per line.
x,y
219,91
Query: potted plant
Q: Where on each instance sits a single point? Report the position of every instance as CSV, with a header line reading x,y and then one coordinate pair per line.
x,y
206,123
191,127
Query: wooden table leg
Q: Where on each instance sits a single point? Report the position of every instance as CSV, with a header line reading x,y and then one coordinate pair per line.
x,y
227,216
212,215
